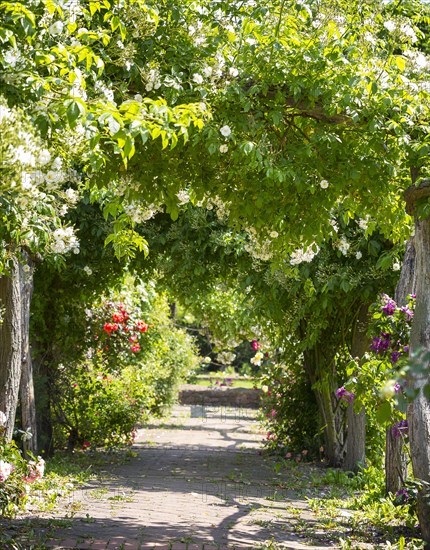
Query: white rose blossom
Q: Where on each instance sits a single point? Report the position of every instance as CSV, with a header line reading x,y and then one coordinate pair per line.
x,y
183,197
11,57
57,164
56,28
363,223
408,31
26,181
390,26
301,255
23,156
225,130
52,177
343,246
72,195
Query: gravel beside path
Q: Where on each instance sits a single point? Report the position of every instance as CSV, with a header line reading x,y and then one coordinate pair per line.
x,y
197,482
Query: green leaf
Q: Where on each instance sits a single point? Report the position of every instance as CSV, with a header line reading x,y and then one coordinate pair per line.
x,y
121,138
113,125
129,148
213,148
383,412
400,62
174,213
344,285
94,7
115,22
248,147
74,110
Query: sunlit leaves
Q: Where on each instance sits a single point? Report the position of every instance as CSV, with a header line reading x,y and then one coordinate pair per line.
x,y
126,242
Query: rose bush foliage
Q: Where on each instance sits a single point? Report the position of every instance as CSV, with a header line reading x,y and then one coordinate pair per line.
x,y
15,474
102,398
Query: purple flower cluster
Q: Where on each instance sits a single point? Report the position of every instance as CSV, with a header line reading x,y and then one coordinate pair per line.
x,y
387,343
389,308
402,496
389,305
395,356
400,429
382,343
408,313
345,395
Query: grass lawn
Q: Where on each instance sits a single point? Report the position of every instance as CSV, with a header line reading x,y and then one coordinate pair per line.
x,y
239,382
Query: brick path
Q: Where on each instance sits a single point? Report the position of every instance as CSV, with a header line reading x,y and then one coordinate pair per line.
x,y
198,482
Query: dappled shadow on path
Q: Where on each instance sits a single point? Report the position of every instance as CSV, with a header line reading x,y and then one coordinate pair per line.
x,y
190,486
125,532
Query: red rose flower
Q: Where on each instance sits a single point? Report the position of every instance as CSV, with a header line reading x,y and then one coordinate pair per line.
x,y
110,327
118,317
141,326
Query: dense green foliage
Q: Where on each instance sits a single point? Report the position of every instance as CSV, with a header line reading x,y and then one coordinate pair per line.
x,y
99,391
286,133
289,391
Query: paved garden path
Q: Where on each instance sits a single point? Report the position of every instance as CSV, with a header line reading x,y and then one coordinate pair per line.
x,y
197,481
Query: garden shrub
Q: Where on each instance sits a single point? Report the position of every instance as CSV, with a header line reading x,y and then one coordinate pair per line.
x,y
13,469
290,410
136,359
15,474
170,354
96,407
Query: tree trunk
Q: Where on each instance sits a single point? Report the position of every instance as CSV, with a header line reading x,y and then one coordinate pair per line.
x,y
324,390
10,343
407,281
396,459
172,307
419,410
396,465
45,430
356,421
28,404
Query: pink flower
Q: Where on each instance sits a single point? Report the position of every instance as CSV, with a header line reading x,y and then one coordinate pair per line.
x,y
273,413
5,470
254,345
36,470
